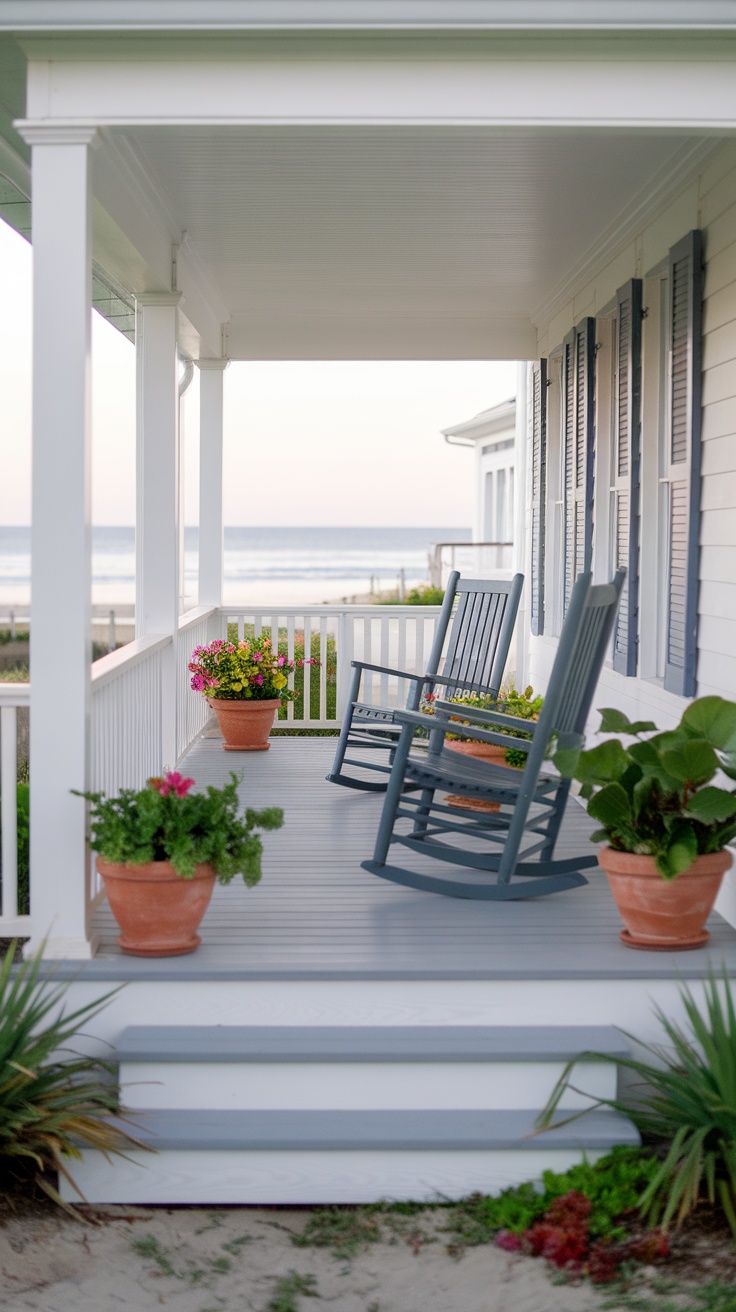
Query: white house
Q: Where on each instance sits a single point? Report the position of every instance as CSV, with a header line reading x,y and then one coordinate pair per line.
x,y
492,435
546,181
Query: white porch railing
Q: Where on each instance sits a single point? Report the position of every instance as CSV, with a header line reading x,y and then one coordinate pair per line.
x,y
196,628
144,715
480,560
127,715
13,919
398,636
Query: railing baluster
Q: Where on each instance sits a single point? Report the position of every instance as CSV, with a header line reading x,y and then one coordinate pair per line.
x,y
384,659
290,656
323,668
306,707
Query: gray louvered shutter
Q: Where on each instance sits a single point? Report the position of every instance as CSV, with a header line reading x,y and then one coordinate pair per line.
x,y
683,520
626,459
578,365
539,489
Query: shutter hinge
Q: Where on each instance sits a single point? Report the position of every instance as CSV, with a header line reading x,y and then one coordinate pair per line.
x,y
645,311
598,347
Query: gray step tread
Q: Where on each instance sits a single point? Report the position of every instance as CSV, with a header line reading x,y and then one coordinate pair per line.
x,y
293,1043
372,1130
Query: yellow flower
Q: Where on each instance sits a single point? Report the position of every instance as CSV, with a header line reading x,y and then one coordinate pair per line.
x,y
237,687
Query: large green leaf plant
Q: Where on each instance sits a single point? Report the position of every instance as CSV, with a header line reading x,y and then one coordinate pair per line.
x,y
655,796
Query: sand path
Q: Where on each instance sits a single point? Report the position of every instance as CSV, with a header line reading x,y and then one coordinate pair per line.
x,y
241,1260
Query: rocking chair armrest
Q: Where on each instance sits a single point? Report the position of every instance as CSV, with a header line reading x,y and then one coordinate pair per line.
x,y
443,723
387,669
476,714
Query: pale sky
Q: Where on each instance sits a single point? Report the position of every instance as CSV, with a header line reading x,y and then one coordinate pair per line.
x,y
305,443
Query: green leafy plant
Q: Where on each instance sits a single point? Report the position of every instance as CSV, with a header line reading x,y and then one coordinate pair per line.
x,y
167,822
52,1105
655,796
667,1296
688,1104
22,828
524,705
424,594
613,1185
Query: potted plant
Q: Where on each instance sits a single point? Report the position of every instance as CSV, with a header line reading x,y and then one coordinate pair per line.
x,y
245,683
524,705
160,850
666,825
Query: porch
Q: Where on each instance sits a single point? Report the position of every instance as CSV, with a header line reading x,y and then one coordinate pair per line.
x,y
318,916
338,1039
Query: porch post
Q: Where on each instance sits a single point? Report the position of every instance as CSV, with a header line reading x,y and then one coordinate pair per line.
x,y
61,638
210,481
521,527
157,491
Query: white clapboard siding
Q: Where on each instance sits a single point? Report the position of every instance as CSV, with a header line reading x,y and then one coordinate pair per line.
x,y
715,213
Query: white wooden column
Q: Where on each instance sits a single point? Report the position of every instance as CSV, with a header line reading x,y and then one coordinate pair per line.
x,y
157,490
210,481
61,647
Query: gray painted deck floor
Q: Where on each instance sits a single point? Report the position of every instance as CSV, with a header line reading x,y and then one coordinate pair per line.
x,y
317,914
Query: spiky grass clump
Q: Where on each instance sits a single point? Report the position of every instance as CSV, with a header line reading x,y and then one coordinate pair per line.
x,y
53,1102
687,1103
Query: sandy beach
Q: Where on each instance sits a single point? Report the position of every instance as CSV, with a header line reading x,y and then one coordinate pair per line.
x,y
244,1260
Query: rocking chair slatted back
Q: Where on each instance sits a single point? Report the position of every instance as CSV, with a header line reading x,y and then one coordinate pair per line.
x,y
475,654
476,624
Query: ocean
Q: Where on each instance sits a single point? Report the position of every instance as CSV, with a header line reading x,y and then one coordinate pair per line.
x,y
286,565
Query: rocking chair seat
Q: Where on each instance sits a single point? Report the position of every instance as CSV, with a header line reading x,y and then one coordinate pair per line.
x,y
453,772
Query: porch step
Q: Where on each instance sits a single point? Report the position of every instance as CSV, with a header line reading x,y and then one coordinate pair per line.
x,y
319,1114
308,1068
338,1156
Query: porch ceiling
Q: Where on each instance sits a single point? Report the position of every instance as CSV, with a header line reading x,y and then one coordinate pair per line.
x,y
392,242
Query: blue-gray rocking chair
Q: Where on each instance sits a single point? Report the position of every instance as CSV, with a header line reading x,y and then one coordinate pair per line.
x,y
477,649
514,844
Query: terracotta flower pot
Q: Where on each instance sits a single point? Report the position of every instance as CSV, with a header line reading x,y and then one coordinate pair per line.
x,y
157,911
245,726
663,915
485,752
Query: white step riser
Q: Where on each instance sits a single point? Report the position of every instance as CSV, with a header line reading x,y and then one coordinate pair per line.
x,y
358,1085
295,1177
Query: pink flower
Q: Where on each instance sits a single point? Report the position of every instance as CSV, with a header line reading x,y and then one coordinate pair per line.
x,y
172,782
198,683
257,655
194,669
281,660
197,652
217,644
178,783
258,679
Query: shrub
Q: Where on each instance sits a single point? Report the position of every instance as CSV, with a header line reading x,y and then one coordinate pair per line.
x,y
688,1104
425,594
51,1106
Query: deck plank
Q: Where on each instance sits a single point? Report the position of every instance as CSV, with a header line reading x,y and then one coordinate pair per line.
x,y
318,915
